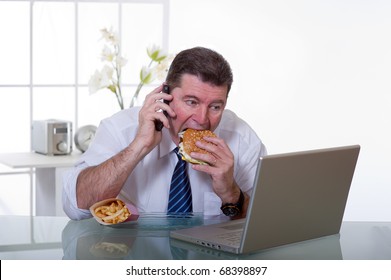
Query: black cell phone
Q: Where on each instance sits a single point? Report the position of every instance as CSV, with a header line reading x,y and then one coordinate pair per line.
x,y
158,123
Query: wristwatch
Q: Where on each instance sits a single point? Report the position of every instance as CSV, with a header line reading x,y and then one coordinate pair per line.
x,y
233,209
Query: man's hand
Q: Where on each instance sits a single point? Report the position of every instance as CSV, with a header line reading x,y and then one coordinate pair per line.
x,y
151,111
220,168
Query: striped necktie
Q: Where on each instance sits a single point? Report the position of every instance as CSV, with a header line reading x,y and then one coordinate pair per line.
x,y
180,200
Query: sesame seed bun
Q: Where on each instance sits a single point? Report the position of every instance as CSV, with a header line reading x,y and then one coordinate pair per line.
x,y
187,145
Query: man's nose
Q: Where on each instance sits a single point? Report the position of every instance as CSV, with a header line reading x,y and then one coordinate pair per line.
x,y
201,116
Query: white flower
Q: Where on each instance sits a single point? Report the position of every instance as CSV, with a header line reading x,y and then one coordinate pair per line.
x,y
121,61
107,54
110,36
161,69
100,79
110,75
155,53
147,75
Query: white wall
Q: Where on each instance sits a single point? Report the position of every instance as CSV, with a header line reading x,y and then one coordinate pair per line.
x,y
308,74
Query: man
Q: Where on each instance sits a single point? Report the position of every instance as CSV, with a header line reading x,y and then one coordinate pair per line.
x,y
133,161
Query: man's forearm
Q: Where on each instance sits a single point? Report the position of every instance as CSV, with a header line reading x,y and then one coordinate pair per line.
x,y
106,180
246,202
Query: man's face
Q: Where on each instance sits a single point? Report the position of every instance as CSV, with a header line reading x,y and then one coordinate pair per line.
x,y
197,105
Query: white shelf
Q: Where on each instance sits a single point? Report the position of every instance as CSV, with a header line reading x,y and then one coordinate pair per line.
x,y
34,160
48,178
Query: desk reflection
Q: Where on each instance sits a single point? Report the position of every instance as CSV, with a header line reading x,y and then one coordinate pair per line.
x,y
44,238
148,238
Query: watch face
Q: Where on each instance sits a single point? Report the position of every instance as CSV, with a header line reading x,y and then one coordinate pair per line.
x,y
230,211
84,137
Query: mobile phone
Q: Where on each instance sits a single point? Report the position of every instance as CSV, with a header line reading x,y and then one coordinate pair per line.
x,y
158,123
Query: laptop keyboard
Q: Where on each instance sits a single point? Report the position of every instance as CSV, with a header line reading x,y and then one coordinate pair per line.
x,y
234,226
233,237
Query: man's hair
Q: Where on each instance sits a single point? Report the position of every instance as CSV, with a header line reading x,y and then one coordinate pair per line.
x,y
208,65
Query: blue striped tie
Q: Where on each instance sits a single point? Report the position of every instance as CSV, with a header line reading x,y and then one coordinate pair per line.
x,y
180,200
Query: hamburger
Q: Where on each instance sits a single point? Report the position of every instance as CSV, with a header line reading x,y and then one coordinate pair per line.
x,y
187,145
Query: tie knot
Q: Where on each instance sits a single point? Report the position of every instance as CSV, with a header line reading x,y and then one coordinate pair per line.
x,y
176,150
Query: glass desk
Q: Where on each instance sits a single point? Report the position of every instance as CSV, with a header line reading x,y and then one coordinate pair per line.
x,y
40,237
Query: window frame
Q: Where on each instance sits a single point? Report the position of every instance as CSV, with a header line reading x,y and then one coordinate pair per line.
x,y
31,86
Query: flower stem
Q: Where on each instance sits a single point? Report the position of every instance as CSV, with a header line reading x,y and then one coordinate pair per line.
x,y
135,96
120,99
118,92
140,85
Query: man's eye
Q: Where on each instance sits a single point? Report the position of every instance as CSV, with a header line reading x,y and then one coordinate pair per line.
x,y
216,107
191,102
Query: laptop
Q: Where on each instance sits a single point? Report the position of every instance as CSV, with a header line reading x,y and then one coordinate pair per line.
x,y
296,197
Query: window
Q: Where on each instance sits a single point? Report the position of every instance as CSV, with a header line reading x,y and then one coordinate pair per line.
x,y
50,50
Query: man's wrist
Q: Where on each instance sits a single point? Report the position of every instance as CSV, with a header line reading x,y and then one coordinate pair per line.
x,y
234,209
231,195
137,149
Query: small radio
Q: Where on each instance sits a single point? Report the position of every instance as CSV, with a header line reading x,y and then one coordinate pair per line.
x,y
51,137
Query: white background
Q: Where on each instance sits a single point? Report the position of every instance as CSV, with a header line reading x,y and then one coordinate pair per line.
x,y
307,74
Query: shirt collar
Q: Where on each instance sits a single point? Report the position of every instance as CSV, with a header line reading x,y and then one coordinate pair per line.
x,y
166,145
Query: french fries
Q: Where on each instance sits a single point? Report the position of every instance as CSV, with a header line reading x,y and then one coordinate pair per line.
x,y
109,248
113,213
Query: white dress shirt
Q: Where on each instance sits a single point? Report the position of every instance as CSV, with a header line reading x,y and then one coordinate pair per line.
x,y
148,186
